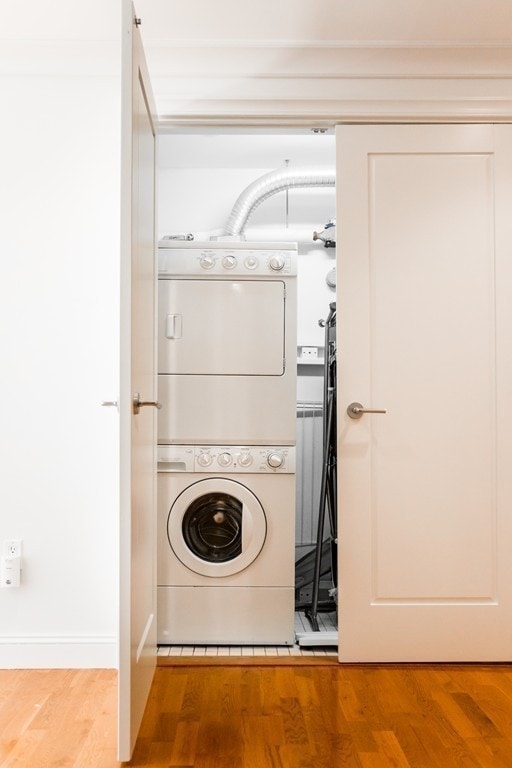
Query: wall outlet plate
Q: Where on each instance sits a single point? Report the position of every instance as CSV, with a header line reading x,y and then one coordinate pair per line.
x,y
12,548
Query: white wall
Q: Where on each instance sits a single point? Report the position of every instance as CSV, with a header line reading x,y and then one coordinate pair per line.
x,y
59,239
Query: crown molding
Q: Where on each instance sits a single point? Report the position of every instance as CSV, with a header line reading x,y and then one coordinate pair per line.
x,y
268,61
244,44
329,88
333,99
328,83
319,114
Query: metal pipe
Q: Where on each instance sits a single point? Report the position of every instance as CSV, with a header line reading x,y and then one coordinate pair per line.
x,y
270,184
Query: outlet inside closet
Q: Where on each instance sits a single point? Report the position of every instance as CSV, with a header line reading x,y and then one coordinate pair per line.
x,y
201,174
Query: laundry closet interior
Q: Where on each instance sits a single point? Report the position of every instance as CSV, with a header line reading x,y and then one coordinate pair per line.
x,y
246,470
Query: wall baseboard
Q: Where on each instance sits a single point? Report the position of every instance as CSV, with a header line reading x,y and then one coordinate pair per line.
x,y
58,652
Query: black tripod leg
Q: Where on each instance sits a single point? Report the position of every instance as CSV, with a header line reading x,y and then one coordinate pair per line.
x,y
332,493
312,612
329,424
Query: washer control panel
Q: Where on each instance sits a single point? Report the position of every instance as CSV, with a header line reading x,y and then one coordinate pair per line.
x,y
227,459
240,259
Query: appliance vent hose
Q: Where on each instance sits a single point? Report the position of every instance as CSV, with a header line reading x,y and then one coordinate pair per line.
x,y
270,184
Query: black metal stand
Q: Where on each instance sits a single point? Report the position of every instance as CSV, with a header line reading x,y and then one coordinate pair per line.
x,y
328,488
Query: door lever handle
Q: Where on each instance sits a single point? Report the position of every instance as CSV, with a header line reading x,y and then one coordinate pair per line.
x,y
138,403
356,410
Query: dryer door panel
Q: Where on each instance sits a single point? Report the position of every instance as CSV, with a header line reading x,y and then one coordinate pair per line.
x,y
221,327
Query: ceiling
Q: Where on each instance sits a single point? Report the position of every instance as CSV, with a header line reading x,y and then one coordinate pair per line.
x,y
288,62
351,21
311,62
263,151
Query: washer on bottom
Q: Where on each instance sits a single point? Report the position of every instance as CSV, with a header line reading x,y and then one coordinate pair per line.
x,y
226,541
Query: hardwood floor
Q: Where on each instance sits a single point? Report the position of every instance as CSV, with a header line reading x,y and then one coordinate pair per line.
x,y
58,717
298,716
324,717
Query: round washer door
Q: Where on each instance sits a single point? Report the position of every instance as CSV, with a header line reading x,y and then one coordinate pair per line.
x,y
217,527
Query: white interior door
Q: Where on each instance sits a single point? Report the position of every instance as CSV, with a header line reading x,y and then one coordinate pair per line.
x,y
137,635
424,331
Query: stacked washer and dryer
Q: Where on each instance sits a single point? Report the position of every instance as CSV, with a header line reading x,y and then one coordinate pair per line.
x,y
226,443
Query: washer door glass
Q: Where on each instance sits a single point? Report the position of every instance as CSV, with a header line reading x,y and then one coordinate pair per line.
x,y
217,527
212,527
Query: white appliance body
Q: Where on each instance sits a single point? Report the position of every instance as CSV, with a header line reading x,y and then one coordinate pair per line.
x,y
226,522
227,343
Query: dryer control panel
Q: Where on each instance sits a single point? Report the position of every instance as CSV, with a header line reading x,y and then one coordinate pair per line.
x,y
227,459
261,260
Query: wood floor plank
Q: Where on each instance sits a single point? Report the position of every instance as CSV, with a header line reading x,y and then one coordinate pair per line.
x,y
24,751
362,736
389,746
406,729
482,723
293,721
498,707
184,746
99,748
456,716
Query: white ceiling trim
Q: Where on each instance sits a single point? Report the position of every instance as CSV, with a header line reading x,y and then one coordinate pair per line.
x,y
342,76
249,90
323,87
348,44
325,62
310,115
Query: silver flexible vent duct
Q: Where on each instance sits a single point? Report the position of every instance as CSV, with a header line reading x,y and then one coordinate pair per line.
x,y
270,184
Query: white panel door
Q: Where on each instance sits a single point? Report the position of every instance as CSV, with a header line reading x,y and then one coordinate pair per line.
x,y
137,634
424,331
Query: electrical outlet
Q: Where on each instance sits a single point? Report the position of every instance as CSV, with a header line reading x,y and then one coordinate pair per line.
x,y
309,353
12,548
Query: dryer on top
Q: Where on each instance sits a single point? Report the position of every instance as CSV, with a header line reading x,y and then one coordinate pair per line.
x,y
227,342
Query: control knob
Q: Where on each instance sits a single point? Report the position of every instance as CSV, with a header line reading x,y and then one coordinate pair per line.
x,y
204,459
224,459
251,262
276,262
275,459
229,261
207,260
245,459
